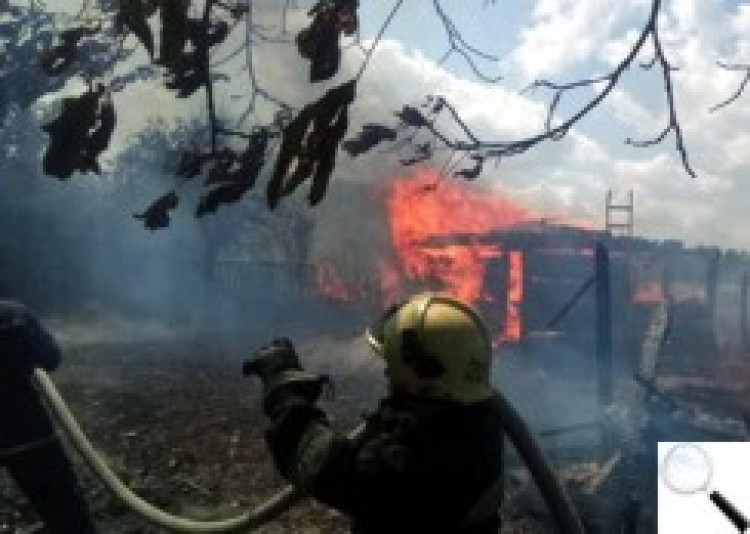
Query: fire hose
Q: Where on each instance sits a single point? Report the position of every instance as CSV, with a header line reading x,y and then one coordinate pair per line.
x,y
552,490
267,511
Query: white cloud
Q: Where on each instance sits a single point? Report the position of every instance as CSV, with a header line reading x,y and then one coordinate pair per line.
x,y
614,51
640,122
572,176
564,33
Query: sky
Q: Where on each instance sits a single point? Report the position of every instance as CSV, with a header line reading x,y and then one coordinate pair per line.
x,y
558,40
567,40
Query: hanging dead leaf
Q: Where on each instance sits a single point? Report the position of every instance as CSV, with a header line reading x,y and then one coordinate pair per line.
x,y
174,26
411,116
58,58
421,153
71,146
132,16
311,139
192,161
156,215
224,194
327,157
223,162
98,139
319,42
291,146
473,172
370,136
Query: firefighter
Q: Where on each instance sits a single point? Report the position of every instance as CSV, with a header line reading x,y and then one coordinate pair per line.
x,y
29,446
430,457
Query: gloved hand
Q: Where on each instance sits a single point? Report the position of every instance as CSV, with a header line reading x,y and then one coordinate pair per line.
x,y
279,369
24,342
269,361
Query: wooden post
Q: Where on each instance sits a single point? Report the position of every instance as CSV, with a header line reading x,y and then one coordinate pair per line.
x,y
712,278
744,335
667,278
603,325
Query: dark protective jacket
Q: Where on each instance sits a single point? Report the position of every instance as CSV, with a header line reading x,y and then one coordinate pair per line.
x,y
24,343
29,447
422,465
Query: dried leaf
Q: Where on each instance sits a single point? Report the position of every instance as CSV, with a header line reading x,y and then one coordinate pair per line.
x,y
156,215
329,120
473,172
132,16
319,43
188,74
220,172
217,32
346,17
98,139
174,25
370,136
327,157
191,163
421,153
291,145
411,116
55,60
72,146
224,194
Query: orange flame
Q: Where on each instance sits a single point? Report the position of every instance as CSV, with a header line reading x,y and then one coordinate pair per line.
x,y
512,327
649,293
330,283
439,233
418,209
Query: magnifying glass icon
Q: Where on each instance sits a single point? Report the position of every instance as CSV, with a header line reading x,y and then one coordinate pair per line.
x,y
687,470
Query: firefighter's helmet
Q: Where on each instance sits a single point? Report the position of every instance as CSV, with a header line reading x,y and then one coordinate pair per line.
x,y
435,346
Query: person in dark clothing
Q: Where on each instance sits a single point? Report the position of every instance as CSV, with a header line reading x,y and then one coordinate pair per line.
x,y
430,458
29,447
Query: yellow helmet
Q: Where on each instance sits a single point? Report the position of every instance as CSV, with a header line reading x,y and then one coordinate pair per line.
x,y
435,346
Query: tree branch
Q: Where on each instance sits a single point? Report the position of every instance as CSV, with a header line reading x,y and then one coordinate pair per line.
x,y
674,123
740,89
499,149
458,44
202,51
255,88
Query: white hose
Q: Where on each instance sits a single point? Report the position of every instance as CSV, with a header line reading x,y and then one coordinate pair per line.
x,y
270,509
553,492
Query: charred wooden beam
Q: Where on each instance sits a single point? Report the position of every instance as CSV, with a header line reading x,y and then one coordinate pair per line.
x,y
603,324
550,237
570,303
712,277
744,336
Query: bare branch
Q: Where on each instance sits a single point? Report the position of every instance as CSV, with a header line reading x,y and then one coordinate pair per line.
x,y
499,149
648,142
458,44
560,90
674,123
458,119
255,88
381,31
740,89
648,65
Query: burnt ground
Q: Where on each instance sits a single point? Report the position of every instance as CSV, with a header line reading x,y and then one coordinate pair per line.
x,y
179,423
175,418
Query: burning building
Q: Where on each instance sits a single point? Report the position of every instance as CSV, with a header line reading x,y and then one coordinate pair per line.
x,y
534,277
